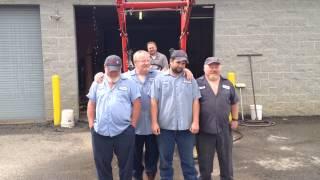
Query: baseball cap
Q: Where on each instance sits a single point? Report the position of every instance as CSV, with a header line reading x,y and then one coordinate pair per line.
x,y
179,55
211,60
113,62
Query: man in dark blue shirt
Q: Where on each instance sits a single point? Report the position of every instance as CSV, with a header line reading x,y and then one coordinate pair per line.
x,y
218,99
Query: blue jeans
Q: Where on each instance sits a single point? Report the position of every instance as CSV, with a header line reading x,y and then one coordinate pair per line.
x,y
121,145
150,156
185,141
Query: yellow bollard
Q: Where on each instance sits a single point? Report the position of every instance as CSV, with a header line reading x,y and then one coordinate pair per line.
x,y
232,78
56,100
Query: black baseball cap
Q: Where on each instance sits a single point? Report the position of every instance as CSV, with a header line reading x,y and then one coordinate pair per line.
x,y
179,55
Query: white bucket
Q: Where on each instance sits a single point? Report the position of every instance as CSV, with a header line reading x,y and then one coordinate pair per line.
x,y
253,112
67,118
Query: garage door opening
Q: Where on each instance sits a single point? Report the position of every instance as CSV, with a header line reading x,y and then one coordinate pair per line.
x,y
98,36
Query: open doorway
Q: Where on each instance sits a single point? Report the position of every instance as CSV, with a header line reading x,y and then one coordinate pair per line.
x,y
98,36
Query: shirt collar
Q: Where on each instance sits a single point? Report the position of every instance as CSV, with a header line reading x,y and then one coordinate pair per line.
x,y
221,77
133,72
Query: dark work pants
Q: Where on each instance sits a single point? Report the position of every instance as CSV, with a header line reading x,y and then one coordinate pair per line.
x,y
122,146
150,156
207,145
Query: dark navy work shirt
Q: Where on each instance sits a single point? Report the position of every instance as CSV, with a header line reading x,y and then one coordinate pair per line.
x,y
215,109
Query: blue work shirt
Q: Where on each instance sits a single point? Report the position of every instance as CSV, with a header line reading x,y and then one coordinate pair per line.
x,y
113,105
175,96
144,122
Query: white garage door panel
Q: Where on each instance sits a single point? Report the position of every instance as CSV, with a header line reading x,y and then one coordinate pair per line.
x,y
21,75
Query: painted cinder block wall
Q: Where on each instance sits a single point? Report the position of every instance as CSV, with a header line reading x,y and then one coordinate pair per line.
x,y
286,32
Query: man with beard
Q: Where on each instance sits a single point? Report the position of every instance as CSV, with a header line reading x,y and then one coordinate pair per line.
x,y
175,116
218,99
113,111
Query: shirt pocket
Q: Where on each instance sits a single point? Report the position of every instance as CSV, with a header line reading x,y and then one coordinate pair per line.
x,y
122,94
166,88
226,95
187,89
101,92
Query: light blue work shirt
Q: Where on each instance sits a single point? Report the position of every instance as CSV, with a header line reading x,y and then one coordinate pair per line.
x,y
144,122
175,96
113,105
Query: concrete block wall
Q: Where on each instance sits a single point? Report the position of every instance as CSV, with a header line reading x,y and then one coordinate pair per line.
x,y
58,51
287,33
59,48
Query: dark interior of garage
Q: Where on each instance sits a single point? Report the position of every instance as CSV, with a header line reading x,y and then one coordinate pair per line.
x,y
98,36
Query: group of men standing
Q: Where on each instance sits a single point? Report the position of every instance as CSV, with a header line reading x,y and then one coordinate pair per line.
x,y
142,114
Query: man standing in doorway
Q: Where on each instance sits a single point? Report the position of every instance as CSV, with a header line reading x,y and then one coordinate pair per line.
x,y
218,99
113,112
158,60
175,116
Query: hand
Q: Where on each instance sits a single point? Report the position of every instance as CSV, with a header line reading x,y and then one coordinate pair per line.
x,y
194,129
234,125
155,128
188,74
90,126
134,125
99,77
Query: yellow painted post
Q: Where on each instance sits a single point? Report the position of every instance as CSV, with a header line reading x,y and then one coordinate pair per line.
x,y
232,78
56,100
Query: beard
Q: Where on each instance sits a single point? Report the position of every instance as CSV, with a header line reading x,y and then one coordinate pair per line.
x,y
213,77
177,70
113,80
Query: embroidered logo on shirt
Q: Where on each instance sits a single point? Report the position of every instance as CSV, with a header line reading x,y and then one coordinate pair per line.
x,y
123,88
225,87
202,87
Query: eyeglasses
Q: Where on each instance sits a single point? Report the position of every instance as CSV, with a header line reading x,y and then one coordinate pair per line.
x,y
145,60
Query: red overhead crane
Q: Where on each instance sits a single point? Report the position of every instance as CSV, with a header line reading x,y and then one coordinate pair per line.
x,y
184,6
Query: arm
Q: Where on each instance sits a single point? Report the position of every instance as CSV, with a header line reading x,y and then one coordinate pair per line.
x,y
154,117
135,112
234,108
234,114
165,64
188,74
195,116
91,112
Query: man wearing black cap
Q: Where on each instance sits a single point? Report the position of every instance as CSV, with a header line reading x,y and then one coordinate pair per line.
x,y
175,116
218,99
113,111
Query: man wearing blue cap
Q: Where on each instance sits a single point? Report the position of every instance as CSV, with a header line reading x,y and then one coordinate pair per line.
x,y
175,116
218,99
113,111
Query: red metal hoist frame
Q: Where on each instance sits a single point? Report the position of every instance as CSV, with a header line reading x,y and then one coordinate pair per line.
x,y
184,6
